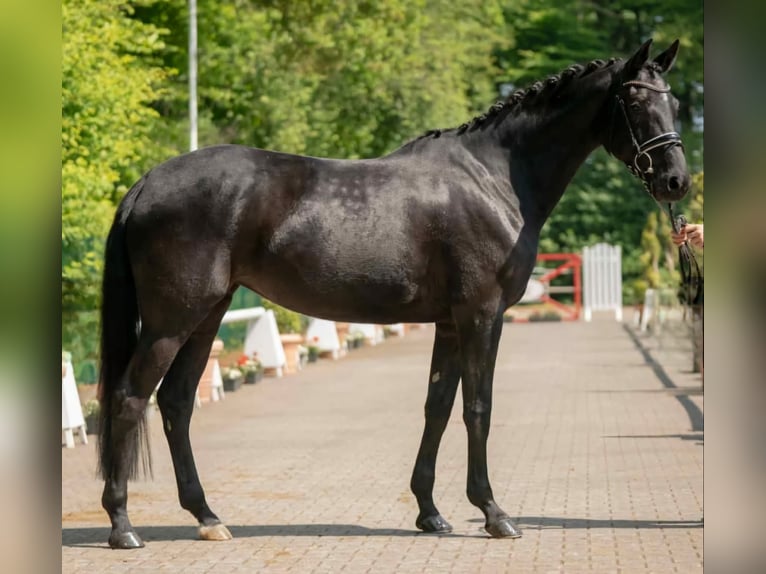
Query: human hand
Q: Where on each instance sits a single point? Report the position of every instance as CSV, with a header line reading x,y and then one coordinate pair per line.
x,y
691,232
694,233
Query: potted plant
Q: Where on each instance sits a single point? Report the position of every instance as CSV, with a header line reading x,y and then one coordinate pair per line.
x,y
232,379
313,353
251,367
90,412
358,339
352,341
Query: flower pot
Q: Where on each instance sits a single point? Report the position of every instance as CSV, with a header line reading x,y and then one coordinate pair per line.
x,y
91,424
253,377
230,385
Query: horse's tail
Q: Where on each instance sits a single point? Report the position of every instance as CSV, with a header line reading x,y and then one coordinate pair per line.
x,y
119,336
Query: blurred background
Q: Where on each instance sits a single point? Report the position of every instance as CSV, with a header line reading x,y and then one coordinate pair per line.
x,y
345,79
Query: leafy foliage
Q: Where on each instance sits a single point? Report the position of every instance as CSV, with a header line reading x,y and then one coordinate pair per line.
x,y
108,82
338,79
287,321
332,78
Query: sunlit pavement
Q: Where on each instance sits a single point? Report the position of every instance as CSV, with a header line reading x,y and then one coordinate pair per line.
x,y
595,451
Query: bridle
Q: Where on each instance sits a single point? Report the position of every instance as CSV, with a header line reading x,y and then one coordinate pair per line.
x,y
666,140
691,275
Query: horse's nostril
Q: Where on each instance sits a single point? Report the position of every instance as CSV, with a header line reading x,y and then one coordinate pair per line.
x,y
674,183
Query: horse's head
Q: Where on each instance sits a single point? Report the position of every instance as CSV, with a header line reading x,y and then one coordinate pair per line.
x,y
642,129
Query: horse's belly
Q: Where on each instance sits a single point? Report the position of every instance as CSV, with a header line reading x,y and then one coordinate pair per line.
x,y
350,255
350,284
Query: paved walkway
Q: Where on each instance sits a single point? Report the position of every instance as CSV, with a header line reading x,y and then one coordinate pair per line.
x,y
595,450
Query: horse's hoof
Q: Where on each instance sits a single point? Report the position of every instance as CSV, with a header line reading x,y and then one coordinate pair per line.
x,y
215,532
435,523
125,540
503,528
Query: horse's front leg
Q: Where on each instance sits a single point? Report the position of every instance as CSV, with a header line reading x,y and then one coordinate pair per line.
x,y
479,335
442,386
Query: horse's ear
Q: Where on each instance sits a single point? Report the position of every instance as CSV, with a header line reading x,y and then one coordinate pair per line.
x,y
666,60
637,60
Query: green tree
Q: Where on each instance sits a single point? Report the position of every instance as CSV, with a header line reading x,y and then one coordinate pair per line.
x,y
108,84
331,78
549,36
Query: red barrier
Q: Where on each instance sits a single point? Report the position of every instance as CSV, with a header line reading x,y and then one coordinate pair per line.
x,y
567,261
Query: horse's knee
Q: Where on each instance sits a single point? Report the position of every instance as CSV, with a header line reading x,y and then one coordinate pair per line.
x,y
476,414
438,407
438,413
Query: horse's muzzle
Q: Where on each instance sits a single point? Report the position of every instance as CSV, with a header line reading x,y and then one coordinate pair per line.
x,y
671,187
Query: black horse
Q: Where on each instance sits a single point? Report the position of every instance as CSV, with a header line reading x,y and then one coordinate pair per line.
x,y
445,229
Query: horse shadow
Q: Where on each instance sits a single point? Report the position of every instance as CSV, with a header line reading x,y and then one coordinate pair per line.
x,y
95,537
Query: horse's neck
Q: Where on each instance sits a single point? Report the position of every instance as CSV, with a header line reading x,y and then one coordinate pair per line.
x,y
546,147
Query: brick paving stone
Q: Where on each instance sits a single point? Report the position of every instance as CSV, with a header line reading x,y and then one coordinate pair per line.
x,y
592,455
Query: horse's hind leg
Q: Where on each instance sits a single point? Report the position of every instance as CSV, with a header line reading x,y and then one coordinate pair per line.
x,y
148,364
442,386
176,401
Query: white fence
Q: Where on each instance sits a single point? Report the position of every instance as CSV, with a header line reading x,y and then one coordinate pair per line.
x,y
602,279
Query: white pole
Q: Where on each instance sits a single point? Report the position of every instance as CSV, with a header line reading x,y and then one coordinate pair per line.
x,y
192,75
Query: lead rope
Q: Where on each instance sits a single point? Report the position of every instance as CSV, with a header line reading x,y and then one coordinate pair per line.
x,y
691,276
693,304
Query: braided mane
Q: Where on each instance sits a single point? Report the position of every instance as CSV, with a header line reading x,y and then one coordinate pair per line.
x,y
535,94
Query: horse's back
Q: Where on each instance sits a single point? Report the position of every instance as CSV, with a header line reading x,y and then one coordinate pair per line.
x,y
389,239
309,232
